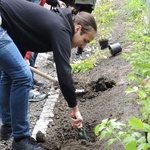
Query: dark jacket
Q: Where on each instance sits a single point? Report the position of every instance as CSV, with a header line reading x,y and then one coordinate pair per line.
x,y
40,30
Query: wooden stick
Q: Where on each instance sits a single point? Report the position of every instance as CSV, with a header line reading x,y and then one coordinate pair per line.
x,y
42,74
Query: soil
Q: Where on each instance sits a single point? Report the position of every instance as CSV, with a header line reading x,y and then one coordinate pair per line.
x,y
104,95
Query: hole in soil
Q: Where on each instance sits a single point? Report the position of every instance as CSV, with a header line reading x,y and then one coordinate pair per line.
x,y
102,84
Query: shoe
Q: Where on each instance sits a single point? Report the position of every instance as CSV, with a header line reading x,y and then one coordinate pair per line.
x,y
37,83
35,96
78,57
5,132
26,144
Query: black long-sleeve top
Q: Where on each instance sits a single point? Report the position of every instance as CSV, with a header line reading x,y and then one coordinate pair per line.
x,y
40,30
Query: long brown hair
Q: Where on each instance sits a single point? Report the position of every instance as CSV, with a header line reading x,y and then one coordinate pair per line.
x,y
86,20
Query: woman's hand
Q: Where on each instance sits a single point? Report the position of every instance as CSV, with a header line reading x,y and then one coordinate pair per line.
x,y
76,117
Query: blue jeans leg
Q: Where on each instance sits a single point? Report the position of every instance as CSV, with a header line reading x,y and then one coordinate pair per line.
x,y
33,58
16,81
32,63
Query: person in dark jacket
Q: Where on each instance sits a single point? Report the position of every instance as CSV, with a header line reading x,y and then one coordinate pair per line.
x,y
25,26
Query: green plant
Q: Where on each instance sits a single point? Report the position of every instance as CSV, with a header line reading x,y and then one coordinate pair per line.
x,y
134,9
128,135
89,63
104,15
83,66
144,98
131,135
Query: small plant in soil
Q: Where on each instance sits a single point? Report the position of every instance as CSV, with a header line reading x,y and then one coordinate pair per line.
x,y
89,63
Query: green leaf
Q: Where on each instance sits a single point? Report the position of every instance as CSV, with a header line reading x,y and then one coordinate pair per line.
x,y
101,128
142,94
116,125
131,90
137,134
148,137
96,131
109,133
127,139
111,141
121,134
131,145
104,122
132,77
141,140
146,127
141,146
102,134
136,123
93,41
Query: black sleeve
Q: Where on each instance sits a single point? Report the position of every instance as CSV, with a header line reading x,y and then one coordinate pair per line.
x,y
62,52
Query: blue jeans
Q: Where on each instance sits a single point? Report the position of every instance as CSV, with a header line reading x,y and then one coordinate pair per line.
x,y
15,84
33,58
32,63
